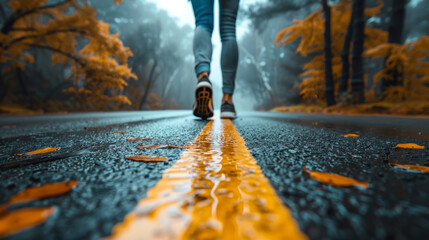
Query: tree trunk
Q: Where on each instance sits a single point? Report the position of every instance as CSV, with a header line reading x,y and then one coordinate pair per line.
x,y
396,28
168,85
21,82
149,84
3,87
329,82
358,85
345,56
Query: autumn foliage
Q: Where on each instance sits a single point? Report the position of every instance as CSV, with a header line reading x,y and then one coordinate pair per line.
x,y
70,30
310,31
410,60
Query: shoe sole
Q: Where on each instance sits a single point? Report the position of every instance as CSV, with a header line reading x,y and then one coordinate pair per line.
x,y
228,115
203,100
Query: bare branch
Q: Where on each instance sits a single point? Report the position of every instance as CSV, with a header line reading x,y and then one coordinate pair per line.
x,y
72,57
19,14
22,29
47,33
2,13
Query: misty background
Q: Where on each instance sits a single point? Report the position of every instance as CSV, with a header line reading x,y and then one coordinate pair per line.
x,y
160,33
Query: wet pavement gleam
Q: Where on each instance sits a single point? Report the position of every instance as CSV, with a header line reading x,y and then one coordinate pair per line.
x,y
395,206
214,191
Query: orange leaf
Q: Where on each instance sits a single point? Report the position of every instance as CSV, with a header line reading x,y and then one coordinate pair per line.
x,y
409,146
150,146
350,135
146,158
139,139
40,151
413,167
23,219
8,126
45,191
121,132
334,179
186,146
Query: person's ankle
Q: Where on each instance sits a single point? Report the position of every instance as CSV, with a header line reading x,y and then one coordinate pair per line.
x,y
201,75
227,97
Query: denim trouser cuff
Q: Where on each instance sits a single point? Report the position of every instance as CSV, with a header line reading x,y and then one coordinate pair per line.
x,y
228,90
202,67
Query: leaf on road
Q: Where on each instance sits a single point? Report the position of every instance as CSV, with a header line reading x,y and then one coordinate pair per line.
x,y
413,167
44,191
409,146
185,146
334,179
22,219
146,158
121,132
139,139
40,151
151,146
350,135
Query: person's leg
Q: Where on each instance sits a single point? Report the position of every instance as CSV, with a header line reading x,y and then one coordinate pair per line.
x,y
202,46
229,57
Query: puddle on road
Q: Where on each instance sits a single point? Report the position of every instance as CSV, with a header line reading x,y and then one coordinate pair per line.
x,y
215,191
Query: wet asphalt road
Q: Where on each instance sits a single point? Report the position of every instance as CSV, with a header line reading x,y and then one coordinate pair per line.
x,y
396,206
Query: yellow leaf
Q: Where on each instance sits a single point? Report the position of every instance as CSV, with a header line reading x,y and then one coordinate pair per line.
x,y
413,167
44,191
120,132
150,146
139,139
23,219
334,179
350,135
409,146
146,158
40,151
186,146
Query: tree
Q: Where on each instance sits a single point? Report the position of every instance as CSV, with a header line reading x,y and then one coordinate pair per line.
x,y
414,59
358,83
329,82
260,13
68,29
345,55
395,29
311,31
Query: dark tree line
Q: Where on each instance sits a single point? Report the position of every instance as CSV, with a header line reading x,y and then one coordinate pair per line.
x,y
355,70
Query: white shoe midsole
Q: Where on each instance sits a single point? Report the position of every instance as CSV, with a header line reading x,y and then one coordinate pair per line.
x,y
228,115
204,84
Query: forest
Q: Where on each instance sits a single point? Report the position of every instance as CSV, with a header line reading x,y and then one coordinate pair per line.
x,y
104,55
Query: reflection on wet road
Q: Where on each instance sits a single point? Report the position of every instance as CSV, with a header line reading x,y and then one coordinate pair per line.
x,y
215,190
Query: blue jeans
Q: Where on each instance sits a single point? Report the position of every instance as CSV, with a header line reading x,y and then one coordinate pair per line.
x,y
204,21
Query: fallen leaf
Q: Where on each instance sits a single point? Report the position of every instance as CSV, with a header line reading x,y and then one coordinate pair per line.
x,y
146,158
23,219
150,146
334,179
170,146
8,126
40,151
139,139
44,191
121,132
409,146
413,167
350,135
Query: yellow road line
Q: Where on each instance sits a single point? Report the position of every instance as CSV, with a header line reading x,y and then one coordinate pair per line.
x,y
215,191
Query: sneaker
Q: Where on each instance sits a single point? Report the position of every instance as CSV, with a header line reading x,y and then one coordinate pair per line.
x,y
227,111
203,106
